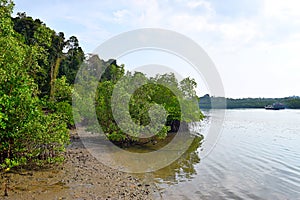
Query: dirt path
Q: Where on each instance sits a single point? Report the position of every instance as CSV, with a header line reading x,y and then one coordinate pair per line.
x,y
80,177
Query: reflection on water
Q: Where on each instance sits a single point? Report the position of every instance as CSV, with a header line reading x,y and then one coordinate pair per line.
x,y
183,168
257,157
180,170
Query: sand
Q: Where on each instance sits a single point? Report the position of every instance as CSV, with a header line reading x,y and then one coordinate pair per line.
x,y
80,177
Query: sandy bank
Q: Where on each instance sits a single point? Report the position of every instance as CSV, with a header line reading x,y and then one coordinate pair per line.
x,y
80,177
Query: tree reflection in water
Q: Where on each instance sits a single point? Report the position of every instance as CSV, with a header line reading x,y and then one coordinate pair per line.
x,y
183,169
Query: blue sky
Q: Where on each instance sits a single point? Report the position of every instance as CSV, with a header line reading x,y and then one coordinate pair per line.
x,y
253,43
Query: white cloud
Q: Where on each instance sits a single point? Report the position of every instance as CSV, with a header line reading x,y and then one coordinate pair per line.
x,y
239,31
121,15
285,10
199,3
189,23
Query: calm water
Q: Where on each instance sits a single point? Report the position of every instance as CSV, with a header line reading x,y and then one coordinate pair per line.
x,y
257,157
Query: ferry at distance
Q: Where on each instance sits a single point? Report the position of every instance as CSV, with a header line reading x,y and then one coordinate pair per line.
x,y
275,106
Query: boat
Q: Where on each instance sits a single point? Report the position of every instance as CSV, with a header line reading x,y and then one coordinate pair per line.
x,y
275,106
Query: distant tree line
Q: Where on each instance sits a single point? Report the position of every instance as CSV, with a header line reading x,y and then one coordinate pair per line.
x,y
206,101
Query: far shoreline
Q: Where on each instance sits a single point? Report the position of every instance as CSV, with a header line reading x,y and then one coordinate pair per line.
x,y
208,102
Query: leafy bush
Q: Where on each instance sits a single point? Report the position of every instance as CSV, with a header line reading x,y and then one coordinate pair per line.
x,y
40,141
61,102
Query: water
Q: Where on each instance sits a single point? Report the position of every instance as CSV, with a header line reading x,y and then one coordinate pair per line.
x,y
257,157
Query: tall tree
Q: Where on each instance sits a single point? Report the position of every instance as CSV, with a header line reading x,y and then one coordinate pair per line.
x,y
54,62
71,60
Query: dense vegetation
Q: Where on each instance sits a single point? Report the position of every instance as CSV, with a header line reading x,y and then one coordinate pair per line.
x,y
205,102
35,93
135,123
38,68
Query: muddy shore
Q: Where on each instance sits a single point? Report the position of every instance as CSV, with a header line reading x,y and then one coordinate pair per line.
x,y
80,177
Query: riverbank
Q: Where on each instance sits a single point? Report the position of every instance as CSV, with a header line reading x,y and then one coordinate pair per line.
x,y
80,177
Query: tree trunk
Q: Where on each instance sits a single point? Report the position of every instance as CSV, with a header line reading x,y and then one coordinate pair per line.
x,y
53,75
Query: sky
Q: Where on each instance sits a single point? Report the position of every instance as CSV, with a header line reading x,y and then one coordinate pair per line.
x,y
254,44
